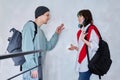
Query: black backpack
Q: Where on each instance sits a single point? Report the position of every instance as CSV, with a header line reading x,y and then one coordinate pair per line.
x,y
101,61
15,45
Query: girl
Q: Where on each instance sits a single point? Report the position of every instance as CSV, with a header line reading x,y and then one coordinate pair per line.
x,y
85,22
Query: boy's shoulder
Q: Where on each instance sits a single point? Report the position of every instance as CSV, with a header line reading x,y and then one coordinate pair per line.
x,y
29,25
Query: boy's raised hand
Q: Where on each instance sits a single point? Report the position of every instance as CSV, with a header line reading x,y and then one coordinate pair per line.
x,y
59,28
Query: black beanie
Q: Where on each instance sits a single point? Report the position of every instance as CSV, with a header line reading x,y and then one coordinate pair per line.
x,y
40,11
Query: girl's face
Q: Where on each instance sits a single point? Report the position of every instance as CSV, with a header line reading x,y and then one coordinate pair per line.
x,y
81,19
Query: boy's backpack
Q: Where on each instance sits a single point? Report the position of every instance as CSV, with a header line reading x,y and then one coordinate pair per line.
x,y
101,61
15,45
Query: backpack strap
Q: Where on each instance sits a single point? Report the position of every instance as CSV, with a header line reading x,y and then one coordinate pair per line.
x,y
92,27
35,26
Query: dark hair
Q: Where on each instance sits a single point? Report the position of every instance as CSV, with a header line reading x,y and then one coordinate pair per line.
x,y
87,15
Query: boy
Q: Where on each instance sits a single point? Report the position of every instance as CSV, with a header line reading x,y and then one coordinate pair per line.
x,y
42,15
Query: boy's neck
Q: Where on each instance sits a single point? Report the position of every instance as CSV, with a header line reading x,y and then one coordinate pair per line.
x,y
39,23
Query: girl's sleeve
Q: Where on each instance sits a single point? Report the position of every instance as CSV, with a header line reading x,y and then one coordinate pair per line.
x,y
94,42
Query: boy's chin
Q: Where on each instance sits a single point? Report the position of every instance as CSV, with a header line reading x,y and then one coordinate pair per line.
x,y
45,23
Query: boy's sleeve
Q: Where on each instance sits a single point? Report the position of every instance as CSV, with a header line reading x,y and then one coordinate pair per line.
x,y
53,41
28,34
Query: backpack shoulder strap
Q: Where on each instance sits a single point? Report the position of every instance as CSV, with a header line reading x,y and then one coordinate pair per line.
x,y
35,26
92,27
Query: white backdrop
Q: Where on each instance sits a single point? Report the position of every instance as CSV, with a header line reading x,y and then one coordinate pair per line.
x,y
60,63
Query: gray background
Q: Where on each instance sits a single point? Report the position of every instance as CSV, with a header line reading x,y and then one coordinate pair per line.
x,y
60,63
